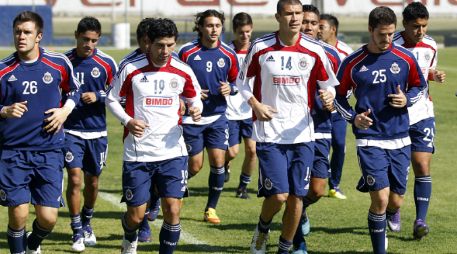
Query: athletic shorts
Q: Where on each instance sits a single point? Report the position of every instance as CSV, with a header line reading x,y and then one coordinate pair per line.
x,y
213,135
31,177
87,154
383,168
284,168
422,136
239,129
321,164
169,176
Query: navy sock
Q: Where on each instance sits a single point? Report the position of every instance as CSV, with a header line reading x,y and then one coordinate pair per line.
x,y
263,226
130,234
307,201
169,237
76,224
145,223
377,228
216,184
244,181
283,246
189,175
86,215
16,240
422,193
36,237
298,237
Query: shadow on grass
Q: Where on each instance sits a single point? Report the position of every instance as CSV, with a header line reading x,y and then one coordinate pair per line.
x,y
97,215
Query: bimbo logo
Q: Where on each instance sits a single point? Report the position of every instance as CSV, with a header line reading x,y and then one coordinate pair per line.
x,y
279,80
158,101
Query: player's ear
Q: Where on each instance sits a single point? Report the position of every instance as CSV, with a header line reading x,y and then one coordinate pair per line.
x,y
38,37
277,16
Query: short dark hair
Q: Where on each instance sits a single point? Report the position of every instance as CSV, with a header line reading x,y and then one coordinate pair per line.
x,y
142,28
381,15
29,16
201,16
159,28
89,24
311,8
281,3
241,19
415,10
332,21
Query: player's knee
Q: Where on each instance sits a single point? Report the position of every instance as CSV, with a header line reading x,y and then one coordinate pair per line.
x,y
250,154
421,167
280,198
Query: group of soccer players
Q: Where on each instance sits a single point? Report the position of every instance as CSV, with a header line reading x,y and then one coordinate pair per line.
x,y
285,95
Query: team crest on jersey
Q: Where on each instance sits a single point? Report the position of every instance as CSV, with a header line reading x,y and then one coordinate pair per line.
x,y
128,194
394,68
174,84
69,157
370,180
95,72
302,64
47,78
221,63
268,184
12,78
2,195
427,56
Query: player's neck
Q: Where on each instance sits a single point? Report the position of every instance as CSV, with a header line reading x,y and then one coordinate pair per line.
x,y
241,46
29,56
209,44
288,39
332,41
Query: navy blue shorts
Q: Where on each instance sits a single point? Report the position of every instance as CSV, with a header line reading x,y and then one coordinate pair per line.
x,y
321,164
383,168
169,176
239,129
213,135
87,154
31,177
284,168
422,136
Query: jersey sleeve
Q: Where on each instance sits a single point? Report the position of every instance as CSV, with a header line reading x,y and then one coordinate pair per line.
x,y
232,74
325,75
248,72
119,87
416,83
111,73
192,91
70,84
341,100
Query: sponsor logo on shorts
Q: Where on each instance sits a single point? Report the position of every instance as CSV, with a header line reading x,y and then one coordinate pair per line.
x,y
189,148
370,180
2,195
69,157
268,184
128,194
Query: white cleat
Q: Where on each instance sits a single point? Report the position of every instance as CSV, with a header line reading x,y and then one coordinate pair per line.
x,y
89,238
129,247
37,251
78,245
259,242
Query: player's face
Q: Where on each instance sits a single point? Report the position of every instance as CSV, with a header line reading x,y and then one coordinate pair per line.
x,y
160,50
86,43
26,37
381,37
415,30
243,34
290,18
211,29
326,32
310,24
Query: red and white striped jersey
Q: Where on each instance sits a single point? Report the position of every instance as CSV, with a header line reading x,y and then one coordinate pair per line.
x,y
343,49
286,78
152,95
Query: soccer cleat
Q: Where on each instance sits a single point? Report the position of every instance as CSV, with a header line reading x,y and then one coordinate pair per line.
x,y
186,193
28,251
336,193
78,243
394,221
227,174
305,225
259,242
154,211
211,216
144,234
89,236
300,249
242,193
420,229
128,247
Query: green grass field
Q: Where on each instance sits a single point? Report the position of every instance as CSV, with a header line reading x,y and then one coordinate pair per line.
x,y
336,226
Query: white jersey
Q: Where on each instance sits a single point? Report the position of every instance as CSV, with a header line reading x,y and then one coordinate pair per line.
x,y
343,49
152,95
426,54
286,78
237,107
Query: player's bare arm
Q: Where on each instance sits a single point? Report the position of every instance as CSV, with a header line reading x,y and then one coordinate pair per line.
x,y
57,118
137,127
398,100
362,121
15,110
225,88
89,97
263,112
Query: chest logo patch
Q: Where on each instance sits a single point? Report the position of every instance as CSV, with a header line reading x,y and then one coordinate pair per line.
x,y
47,78
427,56
174,84
302,64
12,78
394,68
221,63
197,58
95,72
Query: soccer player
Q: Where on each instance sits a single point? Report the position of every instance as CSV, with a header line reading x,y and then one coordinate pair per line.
x,y
34,84
287,68
239,113
216,66
421,116
385,79
328,32
154,149
86,136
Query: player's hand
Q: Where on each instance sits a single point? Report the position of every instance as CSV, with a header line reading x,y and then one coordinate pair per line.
x,y
263,112
204,94
362,121
137,127
182,107
57,118
397,100
439,76
89,97
225,88
327,99
15,110
195,113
